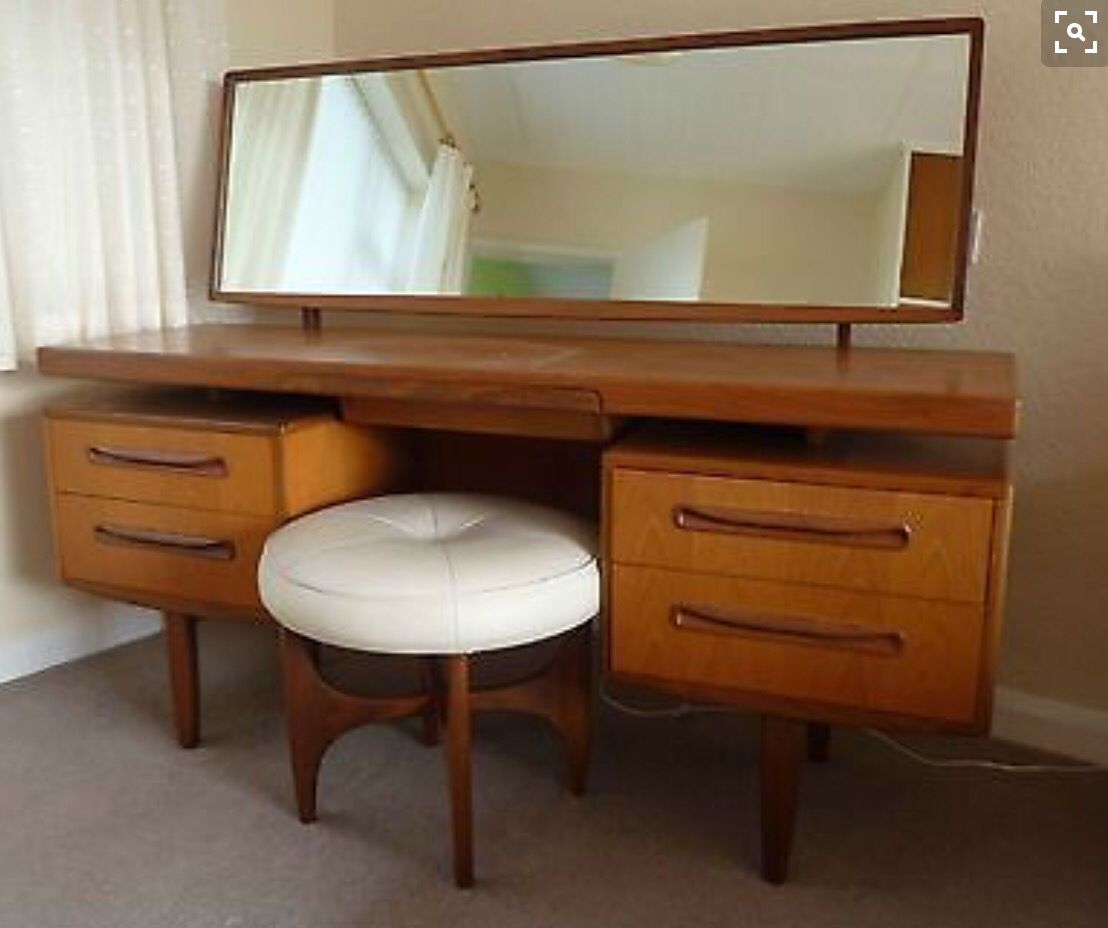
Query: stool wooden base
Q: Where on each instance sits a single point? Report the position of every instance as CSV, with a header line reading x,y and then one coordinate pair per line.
x,y
317,713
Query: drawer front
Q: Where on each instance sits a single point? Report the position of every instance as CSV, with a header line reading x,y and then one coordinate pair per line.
x,y
935,547
209,557
851,650
176,467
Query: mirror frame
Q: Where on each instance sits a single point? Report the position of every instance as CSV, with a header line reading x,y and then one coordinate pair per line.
x,y
619,310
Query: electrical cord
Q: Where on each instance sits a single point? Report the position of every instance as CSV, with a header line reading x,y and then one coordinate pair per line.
x,y
684,710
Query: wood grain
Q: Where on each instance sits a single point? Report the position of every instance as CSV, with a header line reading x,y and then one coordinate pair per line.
x,y
578,425
175,571
946,554
939,392
934,675
932,227
975,467
245,485
330,462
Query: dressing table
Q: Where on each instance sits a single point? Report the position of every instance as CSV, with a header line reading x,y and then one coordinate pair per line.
x,y
817,534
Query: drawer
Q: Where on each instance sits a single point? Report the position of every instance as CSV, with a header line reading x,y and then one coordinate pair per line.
x,y
930,546
205,556
856,651
194,468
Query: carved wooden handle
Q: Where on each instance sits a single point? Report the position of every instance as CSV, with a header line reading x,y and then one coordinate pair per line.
x,y
181,462
172,542
787,526
788,628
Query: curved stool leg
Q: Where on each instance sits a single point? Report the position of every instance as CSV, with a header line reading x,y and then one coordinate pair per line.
x,y
459,736
432,716
562,694
573,692
307,741
317,714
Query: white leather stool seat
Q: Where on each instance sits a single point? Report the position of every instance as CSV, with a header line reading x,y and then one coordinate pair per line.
x,y
431,573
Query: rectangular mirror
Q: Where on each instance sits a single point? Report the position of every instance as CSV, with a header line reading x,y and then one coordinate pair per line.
x,y
787,176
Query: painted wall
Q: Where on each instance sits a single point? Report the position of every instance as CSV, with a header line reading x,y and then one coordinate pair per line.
x,y
1040,289
41,622
262,32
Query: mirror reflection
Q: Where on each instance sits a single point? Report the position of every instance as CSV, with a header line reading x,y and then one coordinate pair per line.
x,y
825,174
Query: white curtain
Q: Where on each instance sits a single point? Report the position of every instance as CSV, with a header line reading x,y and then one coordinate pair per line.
x,y
442,231
92,235
272,135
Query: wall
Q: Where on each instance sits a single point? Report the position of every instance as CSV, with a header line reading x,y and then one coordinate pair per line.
x,y
42,623
262,32
1040,289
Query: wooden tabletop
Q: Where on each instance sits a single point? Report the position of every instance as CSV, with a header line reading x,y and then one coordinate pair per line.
x,y
944,392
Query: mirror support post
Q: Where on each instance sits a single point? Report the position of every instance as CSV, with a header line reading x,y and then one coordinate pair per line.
x,y
843,336
311,320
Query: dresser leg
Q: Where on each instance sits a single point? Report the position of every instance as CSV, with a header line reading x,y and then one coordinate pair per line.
x,y
184,676
782,758
819,742
459,730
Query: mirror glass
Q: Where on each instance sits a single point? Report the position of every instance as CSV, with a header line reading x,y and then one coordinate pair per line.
x,y
814,174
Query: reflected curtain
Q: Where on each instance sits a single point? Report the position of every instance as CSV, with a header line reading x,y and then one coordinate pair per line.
x,y
91,225
442,231
273,135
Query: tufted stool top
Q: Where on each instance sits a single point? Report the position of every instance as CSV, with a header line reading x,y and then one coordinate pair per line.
x,y
431,573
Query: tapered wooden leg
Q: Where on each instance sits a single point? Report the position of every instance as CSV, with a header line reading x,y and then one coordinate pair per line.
x,y
459,730
573,692
783,743
819,742
307,739
184,676
432,723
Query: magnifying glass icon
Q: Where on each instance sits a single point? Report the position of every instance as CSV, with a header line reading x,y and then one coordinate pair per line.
x,y
1074,31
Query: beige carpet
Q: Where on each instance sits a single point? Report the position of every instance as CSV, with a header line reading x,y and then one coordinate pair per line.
x,y
106,823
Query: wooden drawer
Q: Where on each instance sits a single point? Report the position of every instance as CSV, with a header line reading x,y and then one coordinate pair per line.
x,y
921,545
907,657
203,556
195,468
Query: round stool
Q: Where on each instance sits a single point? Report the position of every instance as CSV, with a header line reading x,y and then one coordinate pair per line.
x,y
444,576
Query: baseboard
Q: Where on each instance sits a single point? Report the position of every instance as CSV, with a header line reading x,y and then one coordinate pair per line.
x,y
61,642
1050,725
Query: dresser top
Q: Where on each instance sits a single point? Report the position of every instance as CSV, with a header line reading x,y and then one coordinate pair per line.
x,y
941,392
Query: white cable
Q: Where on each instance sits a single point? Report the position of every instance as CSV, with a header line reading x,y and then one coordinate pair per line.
x,y
961,763
684,710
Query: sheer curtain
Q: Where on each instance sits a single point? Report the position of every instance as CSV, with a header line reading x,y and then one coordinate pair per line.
x,y
273,131
442,231
92,233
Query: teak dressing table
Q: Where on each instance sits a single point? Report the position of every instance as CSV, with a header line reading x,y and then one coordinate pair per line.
x,y
817,534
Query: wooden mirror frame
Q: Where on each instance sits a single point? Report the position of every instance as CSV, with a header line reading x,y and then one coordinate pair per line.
x,y
613,310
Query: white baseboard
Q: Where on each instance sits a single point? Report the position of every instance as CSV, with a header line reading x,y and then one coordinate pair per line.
x,y
1050,725
61,642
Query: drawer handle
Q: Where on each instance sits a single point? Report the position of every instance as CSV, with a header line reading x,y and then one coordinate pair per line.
x,y
172,542
179,462
789,628
786,526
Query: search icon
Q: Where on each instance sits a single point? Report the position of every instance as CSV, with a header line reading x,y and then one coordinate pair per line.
x,y
1074,31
